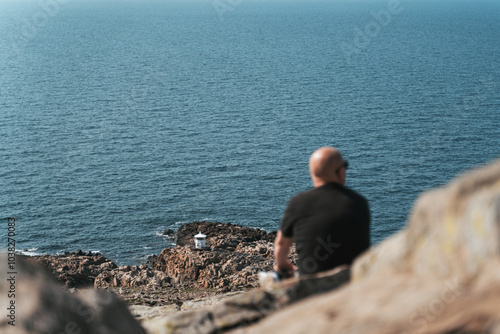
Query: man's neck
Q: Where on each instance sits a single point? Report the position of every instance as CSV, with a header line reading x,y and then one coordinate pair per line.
x,y
319,183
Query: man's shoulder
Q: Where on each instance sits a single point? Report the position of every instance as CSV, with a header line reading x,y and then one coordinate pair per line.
x,y
303,194
357,197
346,191
331,188
354,194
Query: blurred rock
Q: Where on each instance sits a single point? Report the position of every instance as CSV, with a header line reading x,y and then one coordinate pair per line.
x,y
142,312
42,306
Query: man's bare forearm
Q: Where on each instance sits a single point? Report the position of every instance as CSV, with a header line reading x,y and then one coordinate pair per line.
x,y
281,251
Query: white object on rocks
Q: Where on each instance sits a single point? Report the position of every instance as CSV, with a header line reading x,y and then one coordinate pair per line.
x,y
200,241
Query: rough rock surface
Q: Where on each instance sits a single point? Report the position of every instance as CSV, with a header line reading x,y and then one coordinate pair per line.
x,y
441,274
42,306
132,276
135,284
74,270
231,262
218,268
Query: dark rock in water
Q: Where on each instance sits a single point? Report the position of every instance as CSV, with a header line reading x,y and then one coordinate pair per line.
x,y
42,306
168,232
151,260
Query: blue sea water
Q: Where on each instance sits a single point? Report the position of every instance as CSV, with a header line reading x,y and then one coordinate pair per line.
x,y
121,119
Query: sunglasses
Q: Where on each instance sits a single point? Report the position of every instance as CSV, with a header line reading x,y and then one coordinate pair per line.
x,y
344,165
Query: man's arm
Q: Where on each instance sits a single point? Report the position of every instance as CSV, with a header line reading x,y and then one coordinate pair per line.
x,y
282,246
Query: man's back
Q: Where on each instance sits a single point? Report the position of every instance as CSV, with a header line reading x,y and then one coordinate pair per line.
x,y
330,226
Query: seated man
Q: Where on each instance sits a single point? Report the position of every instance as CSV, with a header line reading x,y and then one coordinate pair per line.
x,y
330,224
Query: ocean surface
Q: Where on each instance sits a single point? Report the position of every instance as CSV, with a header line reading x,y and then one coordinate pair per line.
x,y
121,119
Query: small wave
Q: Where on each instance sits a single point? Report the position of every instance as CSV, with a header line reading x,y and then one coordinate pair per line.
x,y
180,223
30,252
162,234
94,252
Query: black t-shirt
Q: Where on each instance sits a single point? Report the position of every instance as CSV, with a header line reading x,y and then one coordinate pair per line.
x,y
330,226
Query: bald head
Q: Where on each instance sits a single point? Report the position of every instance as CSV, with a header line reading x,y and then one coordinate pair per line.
x,y
325,166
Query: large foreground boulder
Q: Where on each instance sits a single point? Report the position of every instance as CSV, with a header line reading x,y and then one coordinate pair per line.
x,y
441,274
33,302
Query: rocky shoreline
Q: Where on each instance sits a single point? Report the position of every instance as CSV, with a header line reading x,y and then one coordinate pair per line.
x,y
440,274
230,263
